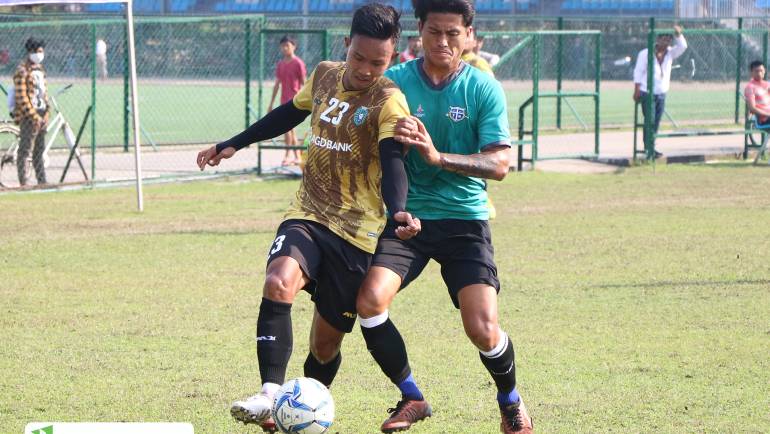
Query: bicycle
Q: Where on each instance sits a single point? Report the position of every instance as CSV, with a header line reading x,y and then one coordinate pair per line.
x,y
9,136
9,144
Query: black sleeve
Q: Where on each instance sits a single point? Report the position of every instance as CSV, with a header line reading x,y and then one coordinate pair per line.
x,y
273,124
394,182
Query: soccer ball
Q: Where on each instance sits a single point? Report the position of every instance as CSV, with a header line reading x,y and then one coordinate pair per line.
x,y
303,406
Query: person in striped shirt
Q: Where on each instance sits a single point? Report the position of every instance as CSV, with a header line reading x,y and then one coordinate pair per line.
x,y
757,93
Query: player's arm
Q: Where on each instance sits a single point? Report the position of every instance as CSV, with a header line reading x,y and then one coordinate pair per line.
x,y
493,159
394,183
492,162
273,124
394,187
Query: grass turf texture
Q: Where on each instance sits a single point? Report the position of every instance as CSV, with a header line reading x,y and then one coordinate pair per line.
x,y
637,302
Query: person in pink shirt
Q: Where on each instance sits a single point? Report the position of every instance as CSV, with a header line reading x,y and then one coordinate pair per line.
x,y
757,93
290,76
413,49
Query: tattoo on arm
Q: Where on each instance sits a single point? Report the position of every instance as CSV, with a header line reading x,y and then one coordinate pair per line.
x,y
483,165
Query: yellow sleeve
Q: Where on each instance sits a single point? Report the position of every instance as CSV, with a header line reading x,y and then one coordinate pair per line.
x,y
303,100
394,109
483,65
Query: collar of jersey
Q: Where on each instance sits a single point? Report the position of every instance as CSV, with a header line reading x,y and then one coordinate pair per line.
x,y
446,82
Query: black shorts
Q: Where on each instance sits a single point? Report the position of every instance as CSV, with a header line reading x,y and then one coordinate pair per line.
x,y
335,268
463,248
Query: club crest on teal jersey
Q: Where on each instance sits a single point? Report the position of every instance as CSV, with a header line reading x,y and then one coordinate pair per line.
x,y
360,116
456,114
420,112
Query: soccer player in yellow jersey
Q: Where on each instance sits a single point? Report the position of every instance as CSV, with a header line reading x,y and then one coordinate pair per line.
x,y
326,242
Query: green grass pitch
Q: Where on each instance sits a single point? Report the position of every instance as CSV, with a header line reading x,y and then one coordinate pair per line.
x,y
637,302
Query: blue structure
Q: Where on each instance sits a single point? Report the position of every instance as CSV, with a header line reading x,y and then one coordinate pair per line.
x,y
609,7
331,7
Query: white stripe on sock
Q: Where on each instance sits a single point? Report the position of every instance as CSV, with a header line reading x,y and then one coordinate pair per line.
x,y
499,349
373,321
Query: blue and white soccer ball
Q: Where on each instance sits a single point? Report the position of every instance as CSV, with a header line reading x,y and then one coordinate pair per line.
x,y
303,406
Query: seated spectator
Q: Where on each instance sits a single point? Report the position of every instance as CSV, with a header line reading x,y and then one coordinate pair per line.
x,y
757,93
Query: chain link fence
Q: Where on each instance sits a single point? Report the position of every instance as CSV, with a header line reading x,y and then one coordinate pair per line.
x,y
203,79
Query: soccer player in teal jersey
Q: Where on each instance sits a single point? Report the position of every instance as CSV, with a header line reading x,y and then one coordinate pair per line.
x,y
459,136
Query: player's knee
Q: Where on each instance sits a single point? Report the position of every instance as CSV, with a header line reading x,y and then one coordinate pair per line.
x,y
325,348
369,303
483,333
278,289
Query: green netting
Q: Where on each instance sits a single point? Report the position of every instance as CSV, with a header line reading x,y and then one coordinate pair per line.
x,y
708,78
203,79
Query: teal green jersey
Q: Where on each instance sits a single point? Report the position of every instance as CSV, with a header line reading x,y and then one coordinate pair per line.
x,y
463,115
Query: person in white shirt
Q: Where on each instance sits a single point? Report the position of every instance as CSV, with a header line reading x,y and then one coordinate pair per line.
x,y
665,54
101,58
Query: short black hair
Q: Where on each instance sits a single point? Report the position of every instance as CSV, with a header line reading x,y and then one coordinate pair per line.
x,y
376,21
756,64
461,7
33,44
287,38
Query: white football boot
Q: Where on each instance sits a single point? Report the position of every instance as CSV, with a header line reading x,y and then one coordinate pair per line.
x,y
257,408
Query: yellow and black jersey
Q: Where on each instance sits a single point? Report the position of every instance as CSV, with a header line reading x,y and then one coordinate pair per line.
x,y
341,181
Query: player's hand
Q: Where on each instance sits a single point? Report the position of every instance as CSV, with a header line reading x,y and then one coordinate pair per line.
x,y
677,30
210,156
411,131
637,95
411,227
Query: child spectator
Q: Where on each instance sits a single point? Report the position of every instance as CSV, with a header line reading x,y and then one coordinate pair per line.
x,y
290,76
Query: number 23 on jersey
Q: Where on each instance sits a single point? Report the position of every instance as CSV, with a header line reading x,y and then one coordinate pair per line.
x,y
334,104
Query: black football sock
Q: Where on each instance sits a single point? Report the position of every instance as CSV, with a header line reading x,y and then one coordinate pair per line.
x,y
323,372
274,340
500,364
386,345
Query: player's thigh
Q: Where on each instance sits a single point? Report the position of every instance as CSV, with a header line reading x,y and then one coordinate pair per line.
x,y
339,280
293,262
325,339
406,259
466,256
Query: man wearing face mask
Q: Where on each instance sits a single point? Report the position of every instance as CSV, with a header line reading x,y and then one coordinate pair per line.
x,y
31,110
